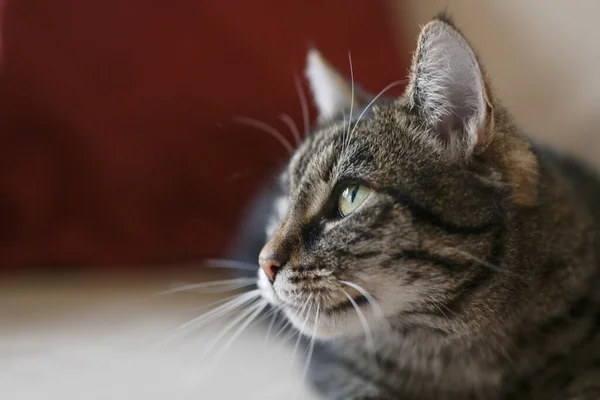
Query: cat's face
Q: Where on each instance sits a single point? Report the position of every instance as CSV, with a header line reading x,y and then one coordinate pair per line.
x,y
386,216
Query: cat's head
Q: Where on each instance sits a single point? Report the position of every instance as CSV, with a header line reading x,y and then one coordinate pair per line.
x,y
396,207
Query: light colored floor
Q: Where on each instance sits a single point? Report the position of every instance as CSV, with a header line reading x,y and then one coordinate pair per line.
x,y
94,337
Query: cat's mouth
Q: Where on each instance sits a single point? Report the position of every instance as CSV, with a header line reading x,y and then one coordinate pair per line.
x,y
336,309
328,321
320,313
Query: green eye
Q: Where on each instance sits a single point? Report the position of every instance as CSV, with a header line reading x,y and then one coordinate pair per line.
x,y
352,197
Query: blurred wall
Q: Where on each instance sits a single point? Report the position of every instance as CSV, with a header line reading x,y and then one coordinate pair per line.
x,y
118,141
543,57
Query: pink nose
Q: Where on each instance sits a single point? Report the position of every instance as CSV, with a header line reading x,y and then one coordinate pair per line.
x,y
272,258
270,266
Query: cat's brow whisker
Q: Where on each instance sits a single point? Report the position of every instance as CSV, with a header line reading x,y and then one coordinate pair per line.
x,y
303,105
385,89
254,123
347,135
289,122
286,119
222,285
367,330
374,304
232,264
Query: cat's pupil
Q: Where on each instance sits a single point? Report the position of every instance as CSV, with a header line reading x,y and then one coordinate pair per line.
x,y
353,195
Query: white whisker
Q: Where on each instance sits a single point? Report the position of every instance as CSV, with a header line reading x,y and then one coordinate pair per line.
x,y
347,135
229,284
292,127
306,304
267,128
208,317
311,347
261,306
251,309
385,89
303,104
374,304
363,321
229,264
271,323
232,264
283,328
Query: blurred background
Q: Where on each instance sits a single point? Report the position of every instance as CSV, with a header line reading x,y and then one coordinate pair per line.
x,y
122,165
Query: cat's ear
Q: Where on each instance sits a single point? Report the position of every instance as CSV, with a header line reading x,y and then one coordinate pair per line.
x,y
332,93
447,88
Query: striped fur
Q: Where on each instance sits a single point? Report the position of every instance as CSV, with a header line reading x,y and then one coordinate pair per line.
x,y
484,265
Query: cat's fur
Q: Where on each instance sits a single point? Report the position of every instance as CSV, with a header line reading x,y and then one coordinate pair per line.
x,y
479,246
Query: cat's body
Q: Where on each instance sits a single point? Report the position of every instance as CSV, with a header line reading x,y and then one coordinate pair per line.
x,y
472,258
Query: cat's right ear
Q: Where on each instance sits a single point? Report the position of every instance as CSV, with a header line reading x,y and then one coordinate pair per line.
x,y
332,94
448,89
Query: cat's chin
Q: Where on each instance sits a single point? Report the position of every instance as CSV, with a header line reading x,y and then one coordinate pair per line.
x,y
327,325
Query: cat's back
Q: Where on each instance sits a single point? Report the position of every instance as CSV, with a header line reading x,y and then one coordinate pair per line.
x,y
582,178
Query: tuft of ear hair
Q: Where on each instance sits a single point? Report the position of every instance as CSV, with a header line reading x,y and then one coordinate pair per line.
x,y
447,88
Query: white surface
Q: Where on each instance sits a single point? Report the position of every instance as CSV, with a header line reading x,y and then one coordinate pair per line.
x,y
84,340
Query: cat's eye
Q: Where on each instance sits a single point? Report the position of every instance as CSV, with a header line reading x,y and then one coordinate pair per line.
x,y
352,197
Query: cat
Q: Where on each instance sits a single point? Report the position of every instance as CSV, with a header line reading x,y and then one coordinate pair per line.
x,y
427,247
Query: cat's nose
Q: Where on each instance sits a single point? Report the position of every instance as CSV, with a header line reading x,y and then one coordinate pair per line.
x,y
271,260
270,266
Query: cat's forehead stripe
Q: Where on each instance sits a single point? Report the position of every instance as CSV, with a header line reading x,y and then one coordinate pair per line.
x,y
313,149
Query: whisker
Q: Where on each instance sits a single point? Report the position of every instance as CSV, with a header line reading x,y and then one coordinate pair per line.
x,y
230,284
303,105
347,136
303,326
289,337
271,323
363,321
385,89
260,307
374,304
311,347
237,302
292,127
254,123
231,264
251,309
436,304
283,328
216,302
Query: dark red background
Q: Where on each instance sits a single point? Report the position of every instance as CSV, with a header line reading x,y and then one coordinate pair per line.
x,y
117,140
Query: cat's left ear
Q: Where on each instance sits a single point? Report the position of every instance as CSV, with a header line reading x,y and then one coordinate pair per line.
x,y
448,90
332,94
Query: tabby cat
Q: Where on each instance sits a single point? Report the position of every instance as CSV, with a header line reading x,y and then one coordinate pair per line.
x,y
433,250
